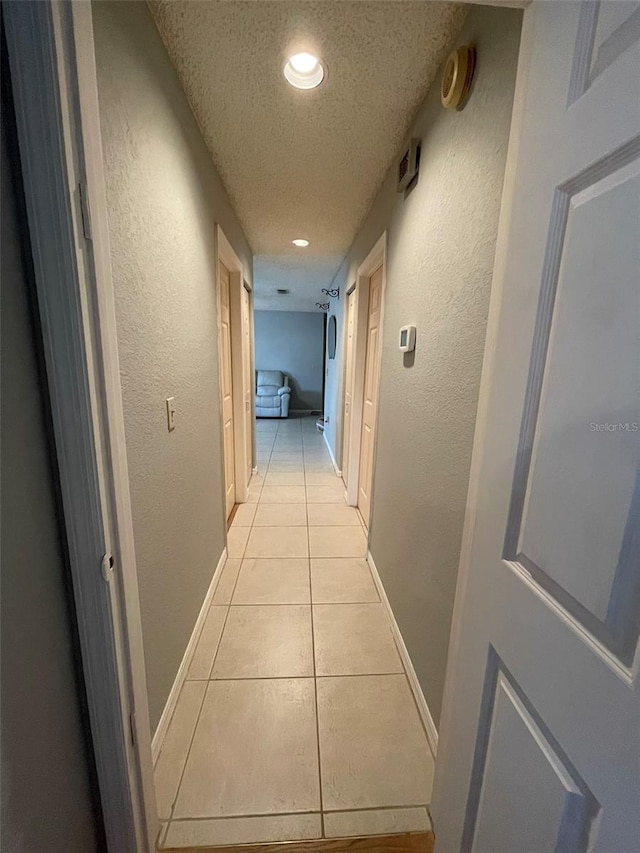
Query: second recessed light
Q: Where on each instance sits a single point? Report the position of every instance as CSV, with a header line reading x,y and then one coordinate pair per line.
x,y
304,71
300,243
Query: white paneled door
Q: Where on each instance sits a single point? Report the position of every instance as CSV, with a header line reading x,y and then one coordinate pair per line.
x,y
370,400
226,380
540,741
247,383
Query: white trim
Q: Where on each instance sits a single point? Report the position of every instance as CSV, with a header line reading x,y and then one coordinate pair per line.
x,y
227,254
376,257
183,669
55,91
113,406
333,459
241,420
346,375
421,703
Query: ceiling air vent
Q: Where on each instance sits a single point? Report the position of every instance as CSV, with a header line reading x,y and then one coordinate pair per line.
x,y
408,165
281,291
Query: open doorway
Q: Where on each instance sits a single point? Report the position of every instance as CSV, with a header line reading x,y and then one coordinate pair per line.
x,y
289,349
362,377
235,348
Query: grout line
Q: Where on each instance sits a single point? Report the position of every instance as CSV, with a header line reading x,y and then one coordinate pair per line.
x,y
302,677
186,761
293,603
279,603
306,812
224,625
315,684
378,808
258,814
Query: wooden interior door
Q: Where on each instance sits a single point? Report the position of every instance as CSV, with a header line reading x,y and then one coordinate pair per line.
x,y
226,385
370,397
247,382
348,386
540,740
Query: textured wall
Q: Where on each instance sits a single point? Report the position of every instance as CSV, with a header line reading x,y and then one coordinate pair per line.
x,y
293,342
440,259
164,198
47,803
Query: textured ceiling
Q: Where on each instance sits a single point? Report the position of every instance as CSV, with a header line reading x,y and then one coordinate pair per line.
x,y
304,163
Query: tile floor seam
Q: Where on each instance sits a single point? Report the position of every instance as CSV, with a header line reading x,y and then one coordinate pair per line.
x,y
224,625
315,668
226,617
377,808
186,761
295,677
271,814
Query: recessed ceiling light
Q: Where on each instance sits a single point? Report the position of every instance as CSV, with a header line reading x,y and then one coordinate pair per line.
x,y
304,71
300,243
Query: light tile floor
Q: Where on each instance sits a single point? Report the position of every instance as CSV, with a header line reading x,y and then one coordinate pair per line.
x,y
296,720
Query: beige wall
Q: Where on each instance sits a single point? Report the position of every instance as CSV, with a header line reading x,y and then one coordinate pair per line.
x,y
164,197
441,242
47,793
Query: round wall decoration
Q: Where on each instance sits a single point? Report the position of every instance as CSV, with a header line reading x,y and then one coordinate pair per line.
x,y
331,337
457,76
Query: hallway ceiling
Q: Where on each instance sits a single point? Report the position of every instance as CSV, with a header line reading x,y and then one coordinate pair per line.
x,y
304,163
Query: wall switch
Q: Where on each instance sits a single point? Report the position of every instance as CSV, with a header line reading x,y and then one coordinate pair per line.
x,y
171,413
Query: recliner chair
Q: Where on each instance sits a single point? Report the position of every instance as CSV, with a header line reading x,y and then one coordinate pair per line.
x,y
272,394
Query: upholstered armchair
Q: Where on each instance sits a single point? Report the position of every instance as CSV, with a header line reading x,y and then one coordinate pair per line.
x,y
272,394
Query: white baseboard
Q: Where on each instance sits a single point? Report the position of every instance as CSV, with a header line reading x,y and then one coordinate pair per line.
x,y
169,708
333,459
418,695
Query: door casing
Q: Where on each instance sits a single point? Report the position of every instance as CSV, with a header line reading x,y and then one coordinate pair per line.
x,y
352,443
347,407
241,363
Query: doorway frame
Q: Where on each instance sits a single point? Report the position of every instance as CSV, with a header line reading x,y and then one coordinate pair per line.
x,y
352,443
53,76
347,376
242,422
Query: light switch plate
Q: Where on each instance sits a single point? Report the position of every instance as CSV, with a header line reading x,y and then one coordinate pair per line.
x,y
171,413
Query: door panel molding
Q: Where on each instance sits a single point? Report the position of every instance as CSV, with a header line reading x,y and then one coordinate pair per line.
x,y
593,55
619,629
576,807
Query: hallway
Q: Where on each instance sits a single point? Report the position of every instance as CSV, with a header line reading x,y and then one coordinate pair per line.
x,y
421,219
296,720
